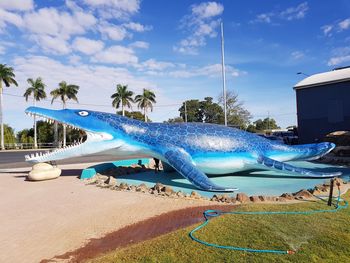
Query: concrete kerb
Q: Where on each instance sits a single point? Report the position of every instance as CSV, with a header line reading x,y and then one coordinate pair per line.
x,y
93,170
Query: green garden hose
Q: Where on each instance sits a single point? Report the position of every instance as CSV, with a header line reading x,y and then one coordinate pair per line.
x,y
208,214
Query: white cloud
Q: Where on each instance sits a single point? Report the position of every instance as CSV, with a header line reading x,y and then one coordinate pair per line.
x,y
113,32
7,17
116,55
51,44
213,70
18,5
52,29
289,14
60,24
340,55
264,18
139,44
121,9
74,59
345,24
137,27
328,30
338,60
297,12
2,50
154,65
87,46
207,9
201,24
297,55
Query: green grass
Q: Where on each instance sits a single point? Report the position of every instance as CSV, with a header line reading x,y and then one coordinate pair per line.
x,y
321,237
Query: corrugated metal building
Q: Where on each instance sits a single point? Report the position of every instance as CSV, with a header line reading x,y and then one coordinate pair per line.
x,y
323,104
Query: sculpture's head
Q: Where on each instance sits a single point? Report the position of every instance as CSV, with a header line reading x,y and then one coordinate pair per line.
x,y
101,129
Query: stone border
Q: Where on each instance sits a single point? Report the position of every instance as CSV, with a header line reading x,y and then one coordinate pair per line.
x,y
110,182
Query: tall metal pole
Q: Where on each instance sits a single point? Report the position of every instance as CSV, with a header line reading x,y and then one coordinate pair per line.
x,y
185,111
223,71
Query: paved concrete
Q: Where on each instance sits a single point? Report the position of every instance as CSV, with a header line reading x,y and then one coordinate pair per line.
x,y
15,159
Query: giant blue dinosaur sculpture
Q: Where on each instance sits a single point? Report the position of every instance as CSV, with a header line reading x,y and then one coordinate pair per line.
x,y
192,149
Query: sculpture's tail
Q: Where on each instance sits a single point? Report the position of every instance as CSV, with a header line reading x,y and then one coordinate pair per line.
x,y
288,168
313,151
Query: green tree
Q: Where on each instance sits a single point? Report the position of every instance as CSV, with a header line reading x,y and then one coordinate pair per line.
x,y
25,136
192,109
8,77
122,97
202,111
210,112
237,115
9,135
46,132
175,120
265,124
251,128
37,89
64,92
145,101
137,115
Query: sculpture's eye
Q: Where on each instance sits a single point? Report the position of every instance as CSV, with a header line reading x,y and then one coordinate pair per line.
x,y
83,113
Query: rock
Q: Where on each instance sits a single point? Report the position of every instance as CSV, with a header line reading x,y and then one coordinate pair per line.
x,y
168,190
158,187
338,182
262,198
224,198
133,188
101,177
215,198
304,194
269,198
43,171
142,188
321,188
242,197
195,195
92,180
180,194
123,186
287,196
281,199
111,181
255,199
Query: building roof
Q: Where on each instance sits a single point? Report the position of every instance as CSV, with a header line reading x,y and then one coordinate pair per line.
x,y
334,76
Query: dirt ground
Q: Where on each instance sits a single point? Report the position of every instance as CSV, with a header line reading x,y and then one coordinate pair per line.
x,y
40,220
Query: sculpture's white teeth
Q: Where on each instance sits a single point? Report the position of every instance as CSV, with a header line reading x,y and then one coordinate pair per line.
x,y
46,156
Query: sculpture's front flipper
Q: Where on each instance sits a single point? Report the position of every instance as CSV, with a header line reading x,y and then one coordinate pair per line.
x,y
183,164
273,164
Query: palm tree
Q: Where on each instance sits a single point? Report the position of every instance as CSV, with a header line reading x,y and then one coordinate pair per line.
x,y
8,77
64,92
145,101
123,96
37,88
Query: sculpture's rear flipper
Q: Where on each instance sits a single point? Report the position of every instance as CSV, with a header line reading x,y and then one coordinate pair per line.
x,y
183,165
273,164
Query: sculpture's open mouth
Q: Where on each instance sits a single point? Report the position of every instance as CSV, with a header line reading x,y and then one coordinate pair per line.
x,y
76,149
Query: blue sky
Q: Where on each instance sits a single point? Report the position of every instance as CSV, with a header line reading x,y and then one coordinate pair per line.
x,y
172,48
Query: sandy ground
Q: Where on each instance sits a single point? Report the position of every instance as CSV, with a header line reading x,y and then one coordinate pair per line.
x,y
42,219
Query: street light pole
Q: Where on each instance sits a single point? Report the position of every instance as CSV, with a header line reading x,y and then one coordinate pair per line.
x,y
223,71
302,73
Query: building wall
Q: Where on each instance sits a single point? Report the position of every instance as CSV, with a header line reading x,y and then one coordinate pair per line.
x,y
323,109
